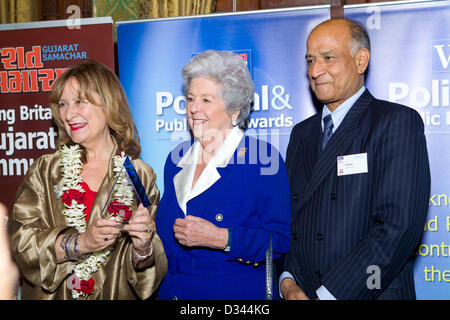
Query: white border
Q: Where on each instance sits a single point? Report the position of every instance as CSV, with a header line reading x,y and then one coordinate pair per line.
x,y
389,3
53,23
215,15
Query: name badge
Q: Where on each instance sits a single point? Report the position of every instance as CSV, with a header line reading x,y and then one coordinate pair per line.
x,y
352,164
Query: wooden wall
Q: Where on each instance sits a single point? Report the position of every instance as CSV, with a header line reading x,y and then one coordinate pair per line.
x,y
56,9
337,9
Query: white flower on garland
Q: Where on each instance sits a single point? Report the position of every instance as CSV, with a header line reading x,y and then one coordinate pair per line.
x,y
123,190
71,172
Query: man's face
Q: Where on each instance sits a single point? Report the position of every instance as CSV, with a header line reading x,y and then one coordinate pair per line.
x,y
334,74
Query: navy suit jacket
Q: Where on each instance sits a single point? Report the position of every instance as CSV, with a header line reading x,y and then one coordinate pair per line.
x,y
253,204
344,229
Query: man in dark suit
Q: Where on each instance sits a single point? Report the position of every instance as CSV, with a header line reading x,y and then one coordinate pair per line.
x,y
359,177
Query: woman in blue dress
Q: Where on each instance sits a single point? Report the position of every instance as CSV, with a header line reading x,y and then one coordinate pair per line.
x,y
226,194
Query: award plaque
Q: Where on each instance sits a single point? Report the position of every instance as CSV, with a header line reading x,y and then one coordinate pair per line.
x,y
136,182
127,185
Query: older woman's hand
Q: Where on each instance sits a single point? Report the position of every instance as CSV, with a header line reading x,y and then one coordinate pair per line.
x,y
197,232
141,229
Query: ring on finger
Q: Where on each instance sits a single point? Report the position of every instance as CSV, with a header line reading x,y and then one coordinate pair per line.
x,y
147,229
106,238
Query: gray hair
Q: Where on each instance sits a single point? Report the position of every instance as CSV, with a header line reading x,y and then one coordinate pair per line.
x,y
232,75
360,36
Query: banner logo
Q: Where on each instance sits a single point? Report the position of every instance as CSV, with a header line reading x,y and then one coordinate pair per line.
x,y
269,106
24,70
245,54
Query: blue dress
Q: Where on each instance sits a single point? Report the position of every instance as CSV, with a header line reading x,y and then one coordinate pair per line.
x,y
252,198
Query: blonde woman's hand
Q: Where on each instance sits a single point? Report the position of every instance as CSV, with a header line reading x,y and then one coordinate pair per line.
x,y
99,235
141,229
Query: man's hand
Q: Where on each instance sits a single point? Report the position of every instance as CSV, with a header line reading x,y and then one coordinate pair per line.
x,y
291,291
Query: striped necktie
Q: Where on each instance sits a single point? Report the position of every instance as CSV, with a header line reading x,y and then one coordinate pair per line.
x,y
327,131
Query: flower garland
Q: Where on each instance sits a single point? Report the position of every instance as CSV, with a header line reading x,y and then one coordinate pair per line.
x,y
81,283
119,209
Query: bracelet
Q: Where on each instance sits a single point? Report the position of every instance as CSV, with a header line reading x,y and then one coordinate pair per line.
x,y
63,245
77,253
139,257
70,255
70,245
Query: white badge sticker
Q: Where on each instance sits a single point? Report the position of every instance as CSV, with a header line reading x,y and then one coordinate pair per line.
x,y
352,164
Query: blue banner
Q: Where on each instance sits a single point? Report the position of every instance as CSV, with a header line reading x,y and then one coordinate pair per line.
x,y
410,65
152,53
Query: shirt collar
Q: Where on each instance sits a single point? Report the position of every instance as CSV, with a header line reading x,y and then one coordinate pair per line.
x,y
228,147
339,114
222,156
183,179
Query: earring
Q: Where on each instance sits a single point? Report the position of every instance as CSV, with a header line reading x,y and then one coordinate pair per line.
x,y
234,123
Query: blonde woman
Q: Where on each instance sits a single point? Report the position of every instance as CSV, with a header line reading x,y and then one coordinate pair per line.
x,y
65,247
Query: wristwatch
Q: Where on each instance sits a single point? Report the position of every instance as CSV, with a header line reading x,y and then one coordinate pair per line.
x,y
228,246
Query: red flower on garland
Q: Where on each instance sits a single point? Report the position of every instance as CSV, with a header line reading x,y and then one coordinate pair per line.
x,y
120,209
87,287
72,194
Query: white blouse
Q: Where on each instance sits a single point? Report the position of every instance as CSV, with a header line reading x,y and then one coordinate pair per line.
x,y
183,180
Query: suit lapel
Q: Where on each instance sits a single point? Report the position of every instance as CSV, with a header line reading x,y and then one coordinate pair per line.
x,y
311,146
182,180
339,143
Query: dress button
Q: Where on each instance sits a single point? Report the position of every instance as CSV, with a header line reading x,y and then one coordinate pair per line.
x,y
319,237
295,196
318,274
333,196
294,236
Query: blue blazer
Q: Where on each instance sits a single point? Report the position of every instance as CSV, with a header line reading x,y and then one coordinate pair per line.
x,y
345,227
254,205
